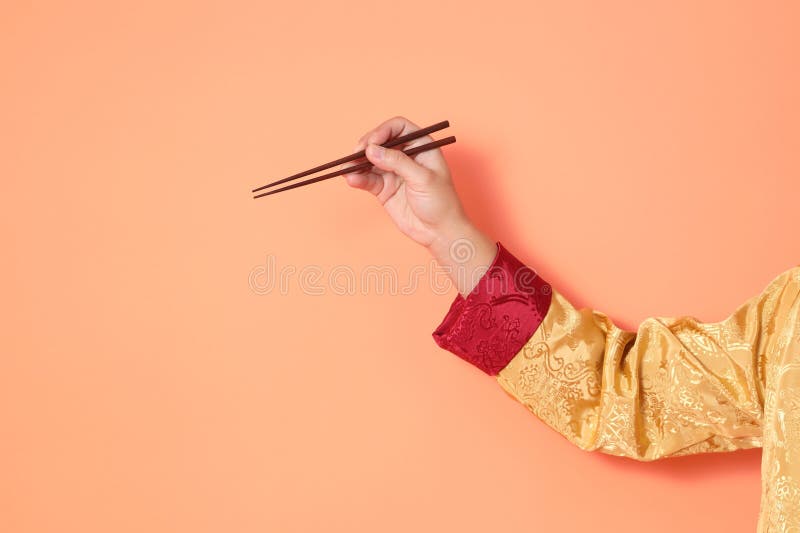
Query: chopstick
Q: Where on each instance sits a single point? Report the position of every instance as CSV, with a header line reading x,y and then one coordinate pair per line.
x,y
410,151
394,142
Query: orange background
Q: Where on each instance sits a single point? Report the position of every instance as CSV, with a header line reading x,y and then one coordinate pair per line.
x,y
643,158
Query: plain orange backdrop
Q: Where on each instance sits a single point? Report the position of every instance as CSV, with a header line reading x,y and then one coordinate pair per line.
x,y
642,156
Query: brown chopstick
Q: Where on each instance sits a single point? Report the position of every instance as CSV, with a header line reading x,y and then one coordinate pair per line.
x,y
394,142
410,151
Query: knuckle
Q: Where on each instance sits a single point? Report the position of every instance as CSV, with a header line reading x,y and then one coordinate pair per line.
x,y
412,126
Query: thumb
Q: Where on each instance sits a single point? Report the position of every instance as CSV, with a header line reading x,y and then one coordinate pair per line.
x,y
398,162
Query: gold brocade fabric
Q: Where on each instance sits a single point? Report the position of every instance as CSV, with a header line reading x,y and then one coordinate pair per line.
x,y
676,386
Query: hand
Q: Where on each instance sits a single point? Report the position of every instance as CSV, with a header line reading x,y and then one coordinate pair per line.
x,y
418,194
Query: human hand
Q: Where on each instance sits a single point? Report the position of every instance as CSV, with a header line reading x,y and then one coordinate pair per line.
x,y
418,194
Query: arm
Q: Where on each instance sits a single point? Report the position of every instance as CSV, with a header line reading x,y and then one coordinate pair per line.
x,y
672,387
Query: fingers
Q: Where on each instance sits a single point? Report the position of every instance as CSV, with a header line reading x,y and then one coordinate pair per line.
x,y
371,179
391,129
418,171
415,175
388,130
368,182
366,179
356,173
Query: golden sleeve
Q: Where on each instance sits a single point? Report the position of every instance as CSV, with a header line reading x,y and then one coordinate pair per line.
x,y
674,386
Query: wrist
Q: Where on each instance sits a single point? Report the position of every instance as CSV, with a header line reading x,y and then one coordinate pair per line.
x,y
464,252
455,229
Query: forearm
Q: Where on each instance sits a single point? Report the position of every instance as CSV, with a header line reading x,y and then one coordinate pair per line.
x,y
464,252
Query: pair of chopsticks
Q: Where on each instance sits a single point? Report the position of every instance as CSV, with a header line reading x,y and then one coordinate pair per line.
x,y
358,155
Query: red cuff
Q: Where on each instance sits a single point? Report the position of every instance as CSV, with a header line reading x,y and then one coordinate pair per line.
x,y
492,324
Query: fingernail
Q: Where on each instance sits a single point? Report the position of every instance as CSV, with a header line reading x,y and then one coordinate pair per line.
x,y
376,151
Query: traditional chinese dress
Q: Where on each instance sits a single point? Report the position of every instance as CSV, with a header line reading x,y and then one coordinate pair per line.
x,y
675,386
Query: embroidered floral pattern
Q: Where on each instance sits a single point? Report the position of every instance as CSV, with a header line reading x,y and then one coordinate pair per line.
x,y
492,324
676,386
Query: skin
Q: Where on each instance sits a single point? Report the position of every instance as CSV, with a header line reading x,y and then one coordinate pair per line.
x,y
418,195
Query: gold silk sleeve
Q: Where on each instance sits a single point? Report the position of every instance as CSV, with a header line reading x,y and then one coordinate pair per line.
x,y
675,386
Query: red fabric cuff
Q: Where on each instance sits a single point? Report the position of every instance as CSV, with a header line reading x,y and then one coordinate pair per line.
x,y
492,324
